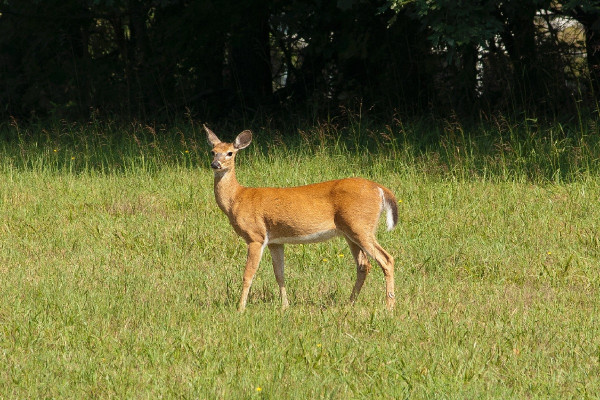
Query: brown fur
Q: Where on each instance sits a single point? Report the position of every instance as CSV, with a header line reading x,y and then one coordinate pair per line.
x,y
271,217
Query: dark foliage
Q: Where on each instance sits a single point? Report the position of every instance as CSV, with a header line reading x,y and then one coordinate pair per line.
x,y
161,59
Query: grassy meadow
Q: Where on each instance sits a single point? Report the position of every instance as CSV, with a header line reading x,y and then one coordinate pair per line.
x,y
120,276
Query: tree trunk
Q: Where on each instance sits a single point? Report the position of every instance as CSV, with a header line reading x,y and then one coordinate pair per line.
x,y
250,56
519,39
468,77
592,47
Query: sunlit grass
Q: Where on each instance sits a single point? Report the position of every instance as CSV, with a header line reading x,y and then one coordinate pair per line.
x,y
120,276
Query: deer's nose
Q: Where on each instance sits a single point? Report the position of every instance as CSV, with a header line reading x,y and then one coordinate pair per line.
x,y
215,165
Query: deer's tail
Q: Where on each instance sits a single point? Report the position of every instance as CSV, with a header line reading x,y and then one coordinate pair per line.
x,y
390,205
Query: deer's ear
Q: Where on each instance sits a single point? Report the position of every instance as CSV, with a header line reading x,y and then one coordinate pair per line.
x,y
243,140
212,138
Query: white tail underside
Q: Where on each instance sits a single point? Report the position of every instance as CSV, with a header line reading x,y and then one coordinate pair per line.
x,y
389,216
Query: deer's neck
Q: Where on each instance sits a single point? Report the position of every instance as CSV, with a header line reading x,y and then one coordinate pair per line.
x,y
226,189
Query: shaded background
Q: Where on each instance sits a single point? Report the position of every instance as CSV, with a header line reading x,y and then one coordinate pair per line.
x,y
209,59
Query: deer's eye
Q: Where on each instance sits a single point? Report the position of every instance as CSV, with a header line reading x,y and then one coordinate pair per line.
x,y
212,153
229,154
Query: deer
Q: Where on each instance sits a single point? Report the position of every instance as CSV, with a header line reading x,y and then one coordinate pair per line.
x,y
272,217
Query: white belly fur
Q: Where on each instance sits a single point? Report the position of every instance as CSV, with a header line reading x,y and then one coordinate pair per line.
x,y
312,238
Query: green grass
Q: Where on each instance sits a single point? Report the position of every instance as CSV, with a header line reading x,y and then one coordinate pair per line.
x,y
120,276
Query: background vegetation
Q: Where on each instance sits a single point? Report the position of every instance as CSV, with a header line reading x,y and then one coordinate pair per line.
x,y
160,59
120,275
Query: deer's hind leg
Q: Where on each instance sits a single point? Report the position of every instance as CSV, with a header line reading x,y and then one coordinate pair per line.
x,y
368,244
363,266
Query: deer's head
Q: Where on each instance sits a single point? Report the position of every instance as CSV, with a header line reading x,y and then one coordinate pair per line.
x,y
224,153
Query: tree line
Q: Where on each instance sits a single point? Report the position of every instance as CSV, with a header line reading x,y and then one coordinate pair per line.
x,y
217,58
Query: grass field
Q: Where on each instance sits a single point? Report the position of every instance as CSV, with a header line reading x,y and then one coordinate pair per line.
x,y
120,276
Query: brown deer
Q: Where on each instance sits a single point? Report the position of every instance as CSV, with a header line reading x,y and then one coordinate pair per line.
x,y
271,217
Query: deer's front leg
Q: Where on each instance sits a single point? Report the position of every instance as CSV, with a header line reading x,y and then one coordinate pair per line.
x,y
255,251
